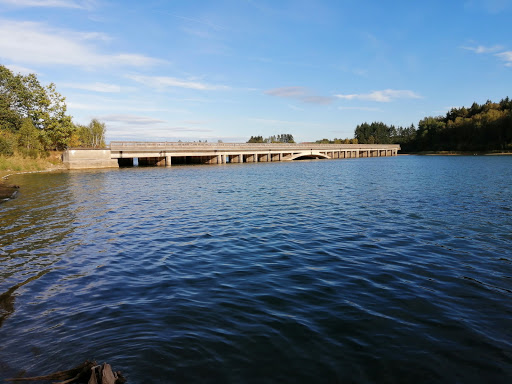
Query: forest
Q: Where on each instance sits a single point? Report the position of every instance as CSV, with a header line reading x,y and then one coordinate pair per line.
x,y
34,119
481,128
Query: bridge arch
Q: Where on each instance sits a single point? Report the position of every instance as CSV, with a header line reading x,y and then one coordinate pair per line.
x,y
309,155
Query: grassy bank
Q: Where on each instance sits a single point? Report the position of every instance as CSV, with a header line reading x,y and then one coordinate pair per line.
x,y
18,163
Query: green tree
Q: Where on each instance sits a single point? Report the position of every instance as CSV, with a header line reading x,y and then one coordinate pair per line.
x,y
24,97
28,136
7,143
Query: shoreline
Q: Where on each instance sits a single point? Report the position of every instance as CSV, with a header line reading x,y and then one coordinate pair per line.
x,y
9,191
456,153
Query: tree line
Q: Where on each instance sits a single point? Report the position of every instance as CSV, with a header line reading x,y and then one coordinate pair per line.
x,y
337,141
282,138
34,119
482,127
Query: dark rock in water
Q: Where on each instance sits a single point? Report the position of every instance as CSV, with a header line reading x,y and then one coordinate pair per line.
x,y
87,373
8,191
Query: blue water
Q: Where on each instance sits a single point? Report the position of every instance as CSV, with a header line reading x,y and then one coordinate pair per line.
x,y
379,270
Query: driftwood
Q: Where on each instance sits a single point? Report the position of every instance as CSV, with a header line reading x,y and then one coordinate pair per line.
x,y
88,372
8,191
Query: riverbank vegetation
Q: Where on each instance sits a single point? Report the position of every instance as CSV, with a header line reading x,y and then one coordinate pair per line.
x,y
34,121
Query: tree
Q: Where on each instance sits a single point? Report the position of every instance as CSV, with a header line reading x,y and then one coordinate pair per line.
x,y
28,136
7,143
255,139
23,97
97,130
89,136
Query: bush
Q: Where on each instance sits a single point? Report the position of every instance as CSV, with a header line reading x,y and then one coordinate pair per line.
x,y
30,153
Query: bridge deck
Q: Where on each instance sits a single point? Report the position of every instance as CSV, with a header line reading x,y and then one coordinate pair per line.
x,y
167,153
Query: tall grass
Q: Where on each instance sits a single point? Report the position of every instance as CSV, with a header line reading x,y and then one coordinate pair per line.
x,y
19,163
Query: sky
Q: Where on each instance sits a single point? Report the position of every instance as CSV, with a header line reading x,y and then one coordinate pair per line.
x,y
231,69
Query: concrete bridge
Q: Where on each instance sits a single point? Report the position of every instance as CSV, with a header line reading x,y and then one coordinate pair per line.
x,y
123,153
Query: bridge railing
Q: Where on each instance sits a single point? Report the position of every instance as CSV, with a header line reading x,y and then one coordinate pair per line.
x,y
126,145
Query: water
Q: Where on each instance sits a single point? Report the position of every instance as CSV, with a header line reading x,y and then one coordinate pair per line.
x,y
380,270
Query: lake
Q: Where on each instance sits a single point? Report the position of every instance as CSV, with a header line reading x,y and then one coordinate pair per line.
x,y
378,270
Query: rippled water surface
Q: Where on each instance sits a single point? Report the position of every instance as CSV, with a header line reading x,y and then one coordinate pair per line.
x,y
377,270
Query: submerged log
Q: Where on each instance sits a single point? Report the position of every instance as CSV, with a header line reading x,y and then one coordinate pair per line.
x,y
8,191
88,372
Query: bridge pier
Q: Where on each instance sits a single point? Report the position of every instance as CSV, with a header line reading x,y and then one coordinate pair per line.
x,y
168,154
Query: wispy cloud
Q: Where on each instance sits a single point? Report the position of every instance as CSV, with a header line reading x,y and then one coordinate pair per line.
x,y
36,43
132,126
483,49
300,93
490,6
172,82
369,109
131,119
294,107
507,57
20,69
204,22
274,123
77,4
95,87
135,123
384,96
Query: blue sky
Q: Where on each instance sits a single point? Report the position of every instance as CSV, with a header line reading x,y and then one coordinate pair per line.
x,y
229,69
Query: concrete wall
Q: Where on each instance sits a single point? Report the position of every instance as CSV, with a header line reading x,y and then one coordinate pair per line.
x,y
88,158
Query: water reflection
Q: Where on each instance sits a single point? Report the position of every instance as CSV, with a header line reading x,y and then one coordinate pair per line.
x,y
7,298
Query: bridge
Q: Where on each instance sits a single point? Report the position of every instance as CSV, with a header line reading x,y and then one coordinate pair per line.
x,y
123,153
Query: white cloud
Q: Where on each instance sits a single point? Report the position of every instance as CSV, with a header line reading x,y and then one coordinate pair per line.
x,y
37,44
131,119
77,4
20,69
383,96
172,82
507,57
483,49
95,87
159,131
301,93
126,124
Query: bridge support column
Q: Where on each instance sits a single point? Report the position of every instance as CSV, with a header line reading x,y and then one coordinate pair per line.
x,y
168,161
